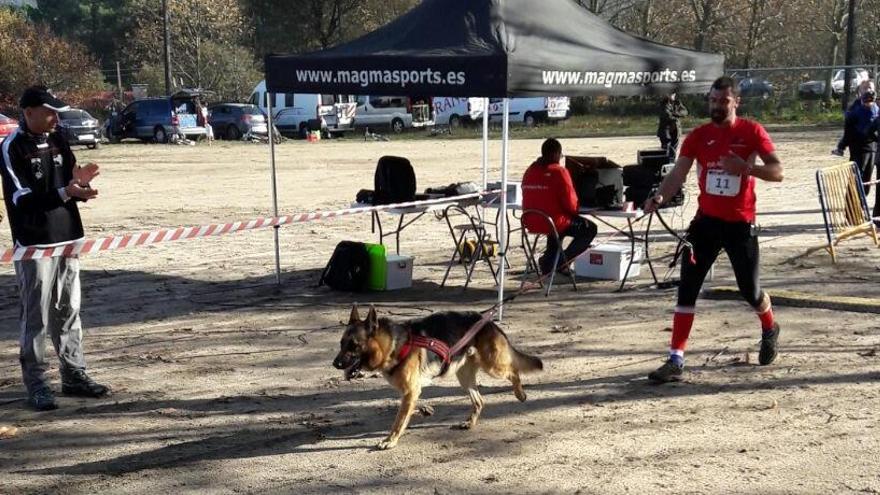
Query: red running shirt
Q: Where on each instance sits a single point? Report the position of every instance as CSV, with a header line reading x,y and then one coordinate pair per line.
x,y
550,190
722,195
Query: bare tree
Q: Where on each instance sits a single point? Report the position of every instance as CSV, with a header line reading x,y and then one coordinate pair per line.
x,y
829,23
707,16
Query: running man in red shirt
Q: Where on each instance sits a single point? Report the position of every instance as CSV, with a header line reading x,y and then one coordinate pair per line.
x,y
725,152
547,187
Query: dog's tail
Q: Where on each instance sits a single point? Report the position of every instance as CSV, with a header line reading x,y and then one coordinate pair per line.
x,y
525,363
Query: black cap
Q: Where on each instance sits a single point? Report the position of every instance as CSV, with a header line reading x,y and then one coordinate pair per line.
x,y
39,96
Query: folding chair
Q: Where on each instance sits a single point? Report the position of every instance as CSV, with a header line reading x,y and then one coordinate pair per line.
x,y
530,247
470,232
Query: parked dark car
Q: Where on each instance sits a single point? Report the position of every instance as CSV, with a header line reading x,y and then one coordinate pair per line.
x,y
157,119
7,126
78,127
234,120
752,87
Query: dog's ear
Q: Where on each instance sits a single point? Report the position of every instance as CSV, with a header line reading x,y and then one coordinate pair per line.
x,y
355,317
372,320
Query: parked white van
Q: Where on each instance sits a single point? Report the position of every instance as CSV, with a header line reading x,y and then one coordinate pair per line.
x,y
530,111
295,114
395,112
455,111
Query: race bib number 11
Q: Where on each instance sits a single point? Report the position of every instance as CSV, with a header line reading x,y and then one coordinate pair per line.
x,y
720,183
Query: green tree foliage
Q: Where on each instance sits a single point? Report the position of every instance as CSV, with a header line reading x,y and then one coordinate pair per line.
x,y
297,26
32,54
207,47
229,73
100,25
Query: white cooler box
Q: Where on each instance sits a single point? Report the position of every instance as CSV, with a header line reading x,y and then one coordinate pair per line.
x,y
398,272
608,262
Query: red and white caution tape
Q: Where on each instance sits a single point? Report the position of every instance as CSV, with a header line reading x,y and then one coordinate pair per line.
x,y
113,243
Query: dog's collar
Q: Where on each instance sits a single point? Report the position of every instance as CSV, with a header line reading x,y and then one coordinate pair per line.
x,y
438,347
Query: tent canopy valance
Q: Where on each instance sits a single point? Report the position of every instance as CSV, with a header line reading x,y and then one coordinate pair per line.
x,y
495,48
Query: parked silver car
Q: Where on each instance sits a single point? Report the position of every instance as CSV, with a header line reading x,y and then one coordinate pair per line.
x,y
234,120
816,89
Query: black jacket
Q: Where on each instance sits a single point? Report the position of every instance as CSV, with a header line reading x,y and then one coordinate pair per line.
x,y
670,112
860,130
34,168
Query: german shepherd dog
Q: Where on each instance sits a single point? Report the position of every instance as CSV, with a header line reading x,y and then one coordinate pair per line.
x,y
374,344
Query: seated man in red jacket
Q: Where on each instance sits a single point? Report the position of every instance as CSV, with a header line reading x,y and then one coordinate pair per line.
x,y
547,187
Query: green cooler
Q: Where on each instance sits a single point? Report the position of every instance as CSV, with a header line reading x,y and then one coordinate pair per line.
x,y
378,267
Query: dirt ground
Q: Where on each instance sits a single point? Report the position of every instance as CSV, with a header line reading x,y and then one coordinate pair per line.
x,y
223,382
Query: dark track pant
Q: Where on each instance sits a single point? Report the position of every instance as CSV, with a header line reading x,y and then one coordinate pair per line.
x,y
670,144
708,237
867,161
582,232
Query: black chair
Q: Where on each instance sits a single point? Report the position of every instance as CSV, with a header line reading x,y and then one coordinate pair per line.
x,y
530,247
470,243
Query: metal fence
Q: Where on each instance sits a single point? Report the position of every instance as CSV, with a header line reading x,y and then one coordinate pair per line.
x,y
788,84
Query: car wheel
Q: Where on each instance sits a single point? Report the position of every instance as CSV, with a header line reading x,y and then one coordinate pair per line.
x,y
232,133
303,130
454,122
397,125
159,135
93,146
529,120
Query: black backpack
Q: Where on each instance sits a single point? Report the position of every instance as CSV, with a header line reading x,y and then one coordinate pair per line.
x,y
395,181
348,268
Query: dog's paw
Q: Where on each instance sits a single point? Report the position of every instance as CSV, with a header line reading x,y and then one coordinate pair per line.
x,y
386,444
465,425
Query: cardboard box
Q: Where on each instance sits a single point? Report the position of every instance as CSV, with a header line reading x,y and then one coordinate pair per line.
x,y
608,262
398,272
597,180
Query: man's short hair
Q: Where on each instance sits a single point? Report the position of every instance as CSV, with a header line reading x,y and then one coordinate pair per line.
x,y
725,82
550,148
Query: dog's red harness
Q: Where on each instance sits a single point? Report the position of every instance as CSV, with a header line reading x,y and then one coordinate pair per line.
x,y
438,347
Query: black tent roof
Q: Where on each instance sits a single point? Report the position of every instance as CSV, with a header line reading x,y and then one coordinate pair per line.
x,y
495,48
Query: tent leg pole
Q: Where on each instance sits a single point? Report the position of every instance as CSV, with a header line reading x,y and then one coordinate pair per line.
x,y
274,187
485,143
505,148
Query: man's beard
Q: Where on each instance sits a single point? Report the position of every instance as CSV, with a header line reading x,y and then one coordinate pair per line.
x,y
718,115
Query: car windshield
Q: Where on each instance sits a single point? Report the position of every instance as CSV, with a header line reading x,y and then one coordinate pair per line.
x,y
73,115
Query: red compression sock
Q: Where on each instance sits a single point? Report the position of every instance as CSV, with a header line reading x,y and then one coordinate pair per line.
x,y
766,319
682,322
